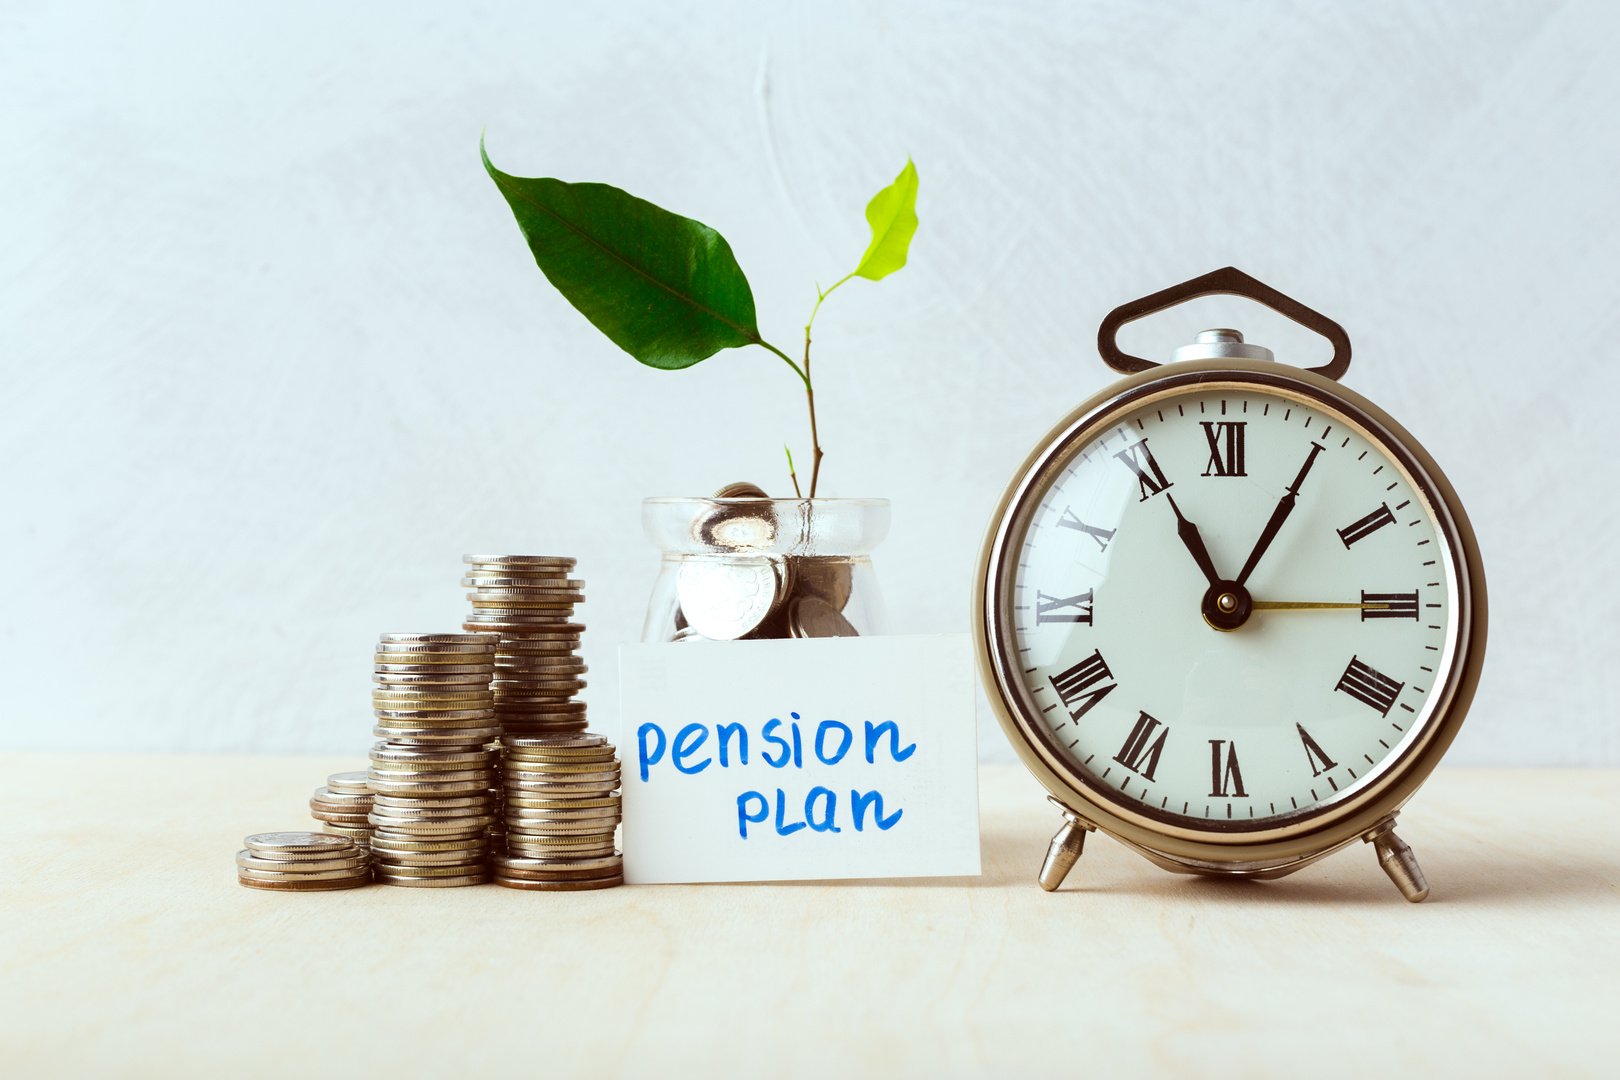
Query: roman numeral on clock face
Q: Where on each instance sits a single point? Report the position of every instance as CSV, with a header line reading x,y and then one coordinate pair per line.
x,y
1320,762
1225,778
1370,686
1102,536
1149,476
1225,438
1082,686
1365,527
1063,609
1143,745
1397,605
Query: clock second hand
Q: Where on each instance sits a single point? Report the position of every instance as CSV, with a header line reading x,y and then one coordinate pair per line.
x,y
1315,605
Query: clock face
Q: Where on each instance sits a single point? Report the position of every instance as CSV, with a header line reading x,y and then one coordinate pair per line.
x,y
1229,606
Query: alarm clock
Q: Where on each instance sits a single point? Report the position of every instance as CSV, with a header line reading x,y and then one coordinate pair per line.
x,y
1230,612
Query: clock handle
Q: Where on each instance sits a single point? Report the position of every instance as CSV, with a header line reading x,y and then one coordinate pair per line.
x,y
1227,281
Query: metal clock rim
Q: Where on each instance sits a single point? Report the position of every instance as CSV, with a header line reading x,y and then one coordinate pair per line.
x,y
1311,834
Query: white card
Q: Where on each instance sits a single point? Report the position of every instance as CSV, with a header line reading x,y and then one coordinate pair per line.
x,y
799,760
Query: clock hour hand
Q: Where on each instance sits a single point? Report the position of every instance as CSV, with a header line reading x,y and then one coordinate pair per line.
x,y
1284,507
1194,542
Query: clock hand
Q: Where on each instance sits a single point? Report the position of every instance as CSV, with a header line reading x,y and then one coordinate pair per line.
x,y
1194,542
1313,605
1284,507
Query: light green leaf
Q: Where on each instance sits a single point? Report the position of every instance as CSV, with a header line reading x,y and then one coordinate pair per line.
x,y
666,289
892,213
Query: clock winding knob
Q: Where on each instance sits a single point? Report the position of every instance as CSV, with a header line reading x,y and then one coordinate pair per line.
x,y
1222,344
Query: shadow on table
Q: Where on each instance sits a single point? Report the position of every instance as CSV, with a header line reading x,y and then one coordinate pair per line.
x,y
1496,876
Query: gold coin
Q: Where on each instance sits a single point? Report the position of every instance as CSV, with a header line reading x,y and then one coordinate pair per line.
x,y
415,882
305,886
252,874
582,885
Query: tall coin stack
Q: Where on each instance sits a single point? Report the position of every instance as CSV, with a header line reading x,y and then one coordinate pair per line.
x,y
529,601
432,775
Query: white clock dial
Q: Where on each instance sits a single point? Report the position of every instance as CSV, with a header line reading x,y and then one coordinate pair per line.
x,y
1146,608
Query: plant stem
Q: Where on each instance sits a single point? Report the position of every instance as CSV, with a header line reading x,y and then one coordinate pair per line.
x,y
809,389
810,396
804,377
793,474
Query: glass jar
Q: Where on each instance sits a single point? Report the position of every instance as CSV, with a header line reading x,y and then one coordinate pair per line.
x,y
748,568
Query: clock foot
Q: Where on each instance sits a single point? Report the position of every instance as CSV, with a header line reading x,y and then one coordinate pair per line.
x,y
1395,856
1063,852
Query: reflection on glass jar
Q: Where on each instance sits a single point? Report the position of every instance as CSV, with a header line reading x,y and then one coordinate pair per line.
x,y
746,568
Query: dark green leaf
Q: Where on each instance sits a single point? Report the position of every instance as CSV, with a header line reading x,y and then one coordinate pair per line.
x,y
666,289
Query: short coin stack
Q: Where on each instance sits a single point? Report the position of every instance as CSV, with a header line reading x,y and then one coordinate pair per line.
x,y
343,807
301,862
431,777
562,808
529,601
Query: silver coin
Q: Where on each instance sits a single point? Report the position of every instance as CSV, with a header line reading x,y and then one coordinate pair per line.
x,y
563,562
529,581
342,798
687,634
347,783
432,675
435,716
471,640
727,598
457,827
575,743
542,796
250,861
289,845
431,801
813,617
535,784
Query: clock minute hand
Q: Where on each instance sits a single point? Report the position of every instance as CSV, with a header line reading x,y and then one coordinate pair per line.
x,y
1194,541
1285,506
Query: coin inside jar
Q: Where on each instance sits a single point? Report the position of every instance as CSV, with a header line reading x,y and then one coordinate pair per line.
x,y
726,597
813,617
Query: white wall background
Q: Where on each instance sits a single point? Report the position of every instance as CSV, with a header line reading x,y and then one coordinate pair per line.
x,y
275,355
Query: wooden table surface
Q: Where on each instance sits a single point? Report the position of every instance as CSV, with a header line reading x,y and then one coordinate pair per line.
x,y
129,949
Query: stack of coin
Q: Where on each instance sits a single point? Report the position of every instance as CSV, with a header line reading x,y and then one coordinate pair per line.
x,y
432,809
343,806
301,862
431,777
529,601
562,810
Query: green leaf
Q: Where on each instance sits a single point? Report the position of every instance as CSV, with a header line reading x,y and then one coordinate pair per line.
x,y
892,213
666,289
